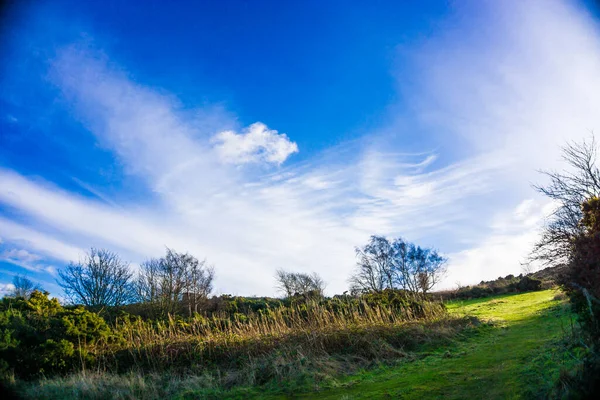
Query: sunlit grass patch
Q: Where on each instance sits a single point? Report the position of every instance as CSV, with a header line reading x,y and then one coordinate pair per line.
x,y
494,362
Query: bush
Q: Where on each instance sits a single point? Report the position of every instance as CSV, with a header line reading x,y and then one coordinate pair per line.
x,y
39,336
527,284
540,280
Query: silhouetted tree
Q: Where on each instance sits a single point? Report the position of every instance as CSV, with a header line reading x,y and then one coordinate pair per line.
x,y
147,284
299,284
375,270
100,279
569,189
23,287
571,236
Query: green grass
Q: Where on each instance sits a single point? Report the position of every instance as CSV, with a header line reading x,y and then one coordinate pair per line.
x,y
518,351
513,359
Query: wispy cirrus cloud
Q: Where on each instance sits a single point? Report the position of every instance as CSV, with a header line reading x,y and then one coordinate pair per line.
x,y
502,110
26,259
306,217
22,236
20,255
506,83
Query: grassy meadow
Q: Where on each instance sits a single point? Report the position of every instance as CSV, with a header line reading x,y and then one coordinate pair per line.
x,y
523,353
508,346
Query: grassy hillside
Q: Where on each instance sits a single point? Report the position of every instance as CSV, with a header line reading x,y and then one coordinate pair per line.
x,y
515,347
546,278
519,356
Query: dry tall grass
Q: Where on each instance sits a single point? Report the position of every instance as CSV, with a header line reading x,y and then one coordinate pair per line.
x,y
285,347
200,344
230,366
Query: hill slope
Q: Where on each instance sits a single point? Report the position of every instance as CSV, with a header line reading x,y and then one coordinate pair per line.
x,y
516,358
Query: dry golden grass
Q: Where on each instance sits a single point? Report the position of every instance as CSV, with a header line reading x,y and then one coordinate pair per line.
x,y
205,342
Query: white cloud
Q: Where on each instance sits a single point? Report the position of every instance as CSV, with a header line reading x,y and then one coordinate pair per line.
x,y
26,259
504,100
20,255
507,243
34,239
307,217
6,288
257,143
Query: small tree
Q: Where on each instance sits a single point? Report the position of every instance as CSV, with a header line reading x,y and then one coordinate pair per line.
x,y
24,287
299,284
147,284
174,281
424,269
396,264
198,284
101,279
374,270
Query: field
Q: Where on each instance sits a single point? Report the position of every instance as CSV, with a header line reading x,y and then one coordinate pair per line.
x,y
519,356
515,347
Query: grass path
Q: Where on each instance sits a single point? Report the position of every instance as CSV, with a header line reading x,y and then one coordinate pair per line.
x,y
511,360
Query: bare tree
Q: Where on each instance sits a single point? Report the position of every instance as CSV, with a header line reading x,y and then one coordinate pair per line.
x,y
198,284
100,279
284,282
396,265
23,287
569,189
172,278
299,284
147,284
424,269
374,270
174,281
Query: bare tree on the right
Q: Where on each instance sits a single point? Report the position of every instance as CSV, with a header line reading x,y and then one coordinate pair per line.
x,y
569,188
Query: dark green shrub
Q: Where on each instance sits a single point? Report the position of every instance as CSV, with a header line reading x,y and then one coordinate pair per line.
x,y
39,336
527,284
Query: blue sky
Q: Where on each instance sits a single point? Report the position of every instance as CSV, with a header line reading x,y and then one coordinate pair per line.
x,y
267,135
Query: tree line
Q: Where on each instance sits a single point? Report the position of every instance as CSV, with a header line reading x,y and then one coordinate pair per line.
x,y
179,283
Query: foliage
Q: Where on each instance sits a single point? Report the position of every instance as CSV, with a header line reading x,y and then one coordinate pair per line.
x,y
540,280
581,281
573,236
39,336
